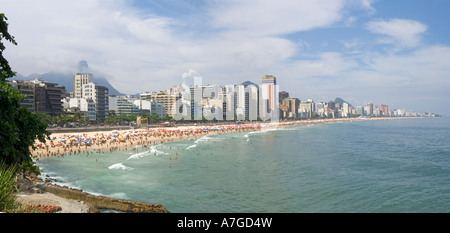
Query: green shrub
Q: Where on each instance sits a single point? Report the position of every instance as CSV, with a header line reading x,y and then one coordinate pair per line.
x,y
8,191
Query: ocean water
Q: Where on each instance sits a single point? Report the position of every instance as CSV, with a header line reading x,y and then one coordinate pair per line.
x,y
400,166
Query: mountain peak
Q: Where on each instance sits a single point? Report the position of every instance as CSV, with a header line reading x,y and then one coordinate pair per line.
x,y
83,67
341,101
66,79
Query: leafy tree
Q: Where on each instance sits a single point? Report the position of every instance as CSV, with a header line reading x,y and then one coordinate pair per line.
x,y
5,69
19,128
154,118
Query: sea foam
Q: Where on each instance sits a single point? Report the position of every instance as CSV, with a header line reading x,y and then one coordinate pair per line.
x,y
120,166
155,151
191,147
139,155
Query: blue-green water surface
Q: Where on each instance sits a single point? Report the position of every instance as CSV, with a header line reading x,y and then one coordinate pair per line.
x,y
360,166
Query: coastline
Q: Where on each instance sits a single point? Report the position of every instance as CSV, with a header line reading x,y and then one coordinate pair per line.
x,y
142,139
66,144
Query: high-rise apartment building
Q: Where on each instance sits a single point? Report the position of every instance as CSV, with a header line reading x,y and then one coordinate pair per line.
x,y
239,101
78,81
161,97
306,109
346,109
385,110
99,94
370,109
269,98
227,97
282,96
246,101
112,102
27,89
360,110
292,106
40,96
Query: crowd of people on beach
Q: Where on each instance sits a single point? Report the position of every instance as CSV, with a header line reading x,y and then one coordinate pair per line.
x,y
104,142
101,142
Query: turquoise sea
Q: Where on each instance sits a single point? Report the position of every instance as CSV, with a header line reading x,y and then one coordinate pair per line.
x,y
385,166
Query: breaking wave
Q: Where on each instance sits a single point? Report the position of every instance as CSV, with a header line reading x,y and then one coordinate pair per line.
x,y
120,166
139,155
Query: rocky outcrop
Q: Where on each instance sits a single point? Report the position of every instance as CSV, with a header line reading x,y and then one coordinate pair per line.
x,y
102,202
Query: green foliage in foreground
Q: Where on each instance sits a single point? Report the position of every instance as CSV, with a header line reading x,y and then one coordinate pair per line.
x,y
8,191
5,69
19,128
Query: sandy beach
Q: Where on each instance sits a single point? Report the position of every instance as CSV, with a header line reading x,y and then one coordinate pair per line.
x,y
62,144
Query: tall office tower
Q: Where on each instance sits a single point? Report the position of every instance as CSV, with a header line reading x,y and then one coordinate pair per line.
x,y
269,104
78,81
384,109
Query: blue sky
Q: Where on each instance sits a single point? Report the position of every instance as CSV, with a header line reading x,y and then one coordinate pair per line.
x,y
393,52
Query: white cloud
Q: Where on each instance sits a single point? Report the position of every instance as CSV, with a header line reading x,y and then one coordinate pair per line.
x,y
110,35
417,80
366,4
426,66
328,64
401,32
153,50
267,17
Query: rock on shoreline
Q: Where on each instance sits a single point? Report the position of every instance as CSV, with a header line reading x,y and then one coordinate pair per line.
x,y
76,201
102,202
67,205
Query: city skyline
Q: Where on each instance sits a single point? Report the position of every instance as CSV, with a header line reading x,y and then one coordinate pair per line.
x,y
391,52
195,101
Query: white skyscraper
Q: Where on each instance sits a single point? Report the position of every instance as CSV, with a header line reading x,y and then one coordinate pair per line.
x,y
240,101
